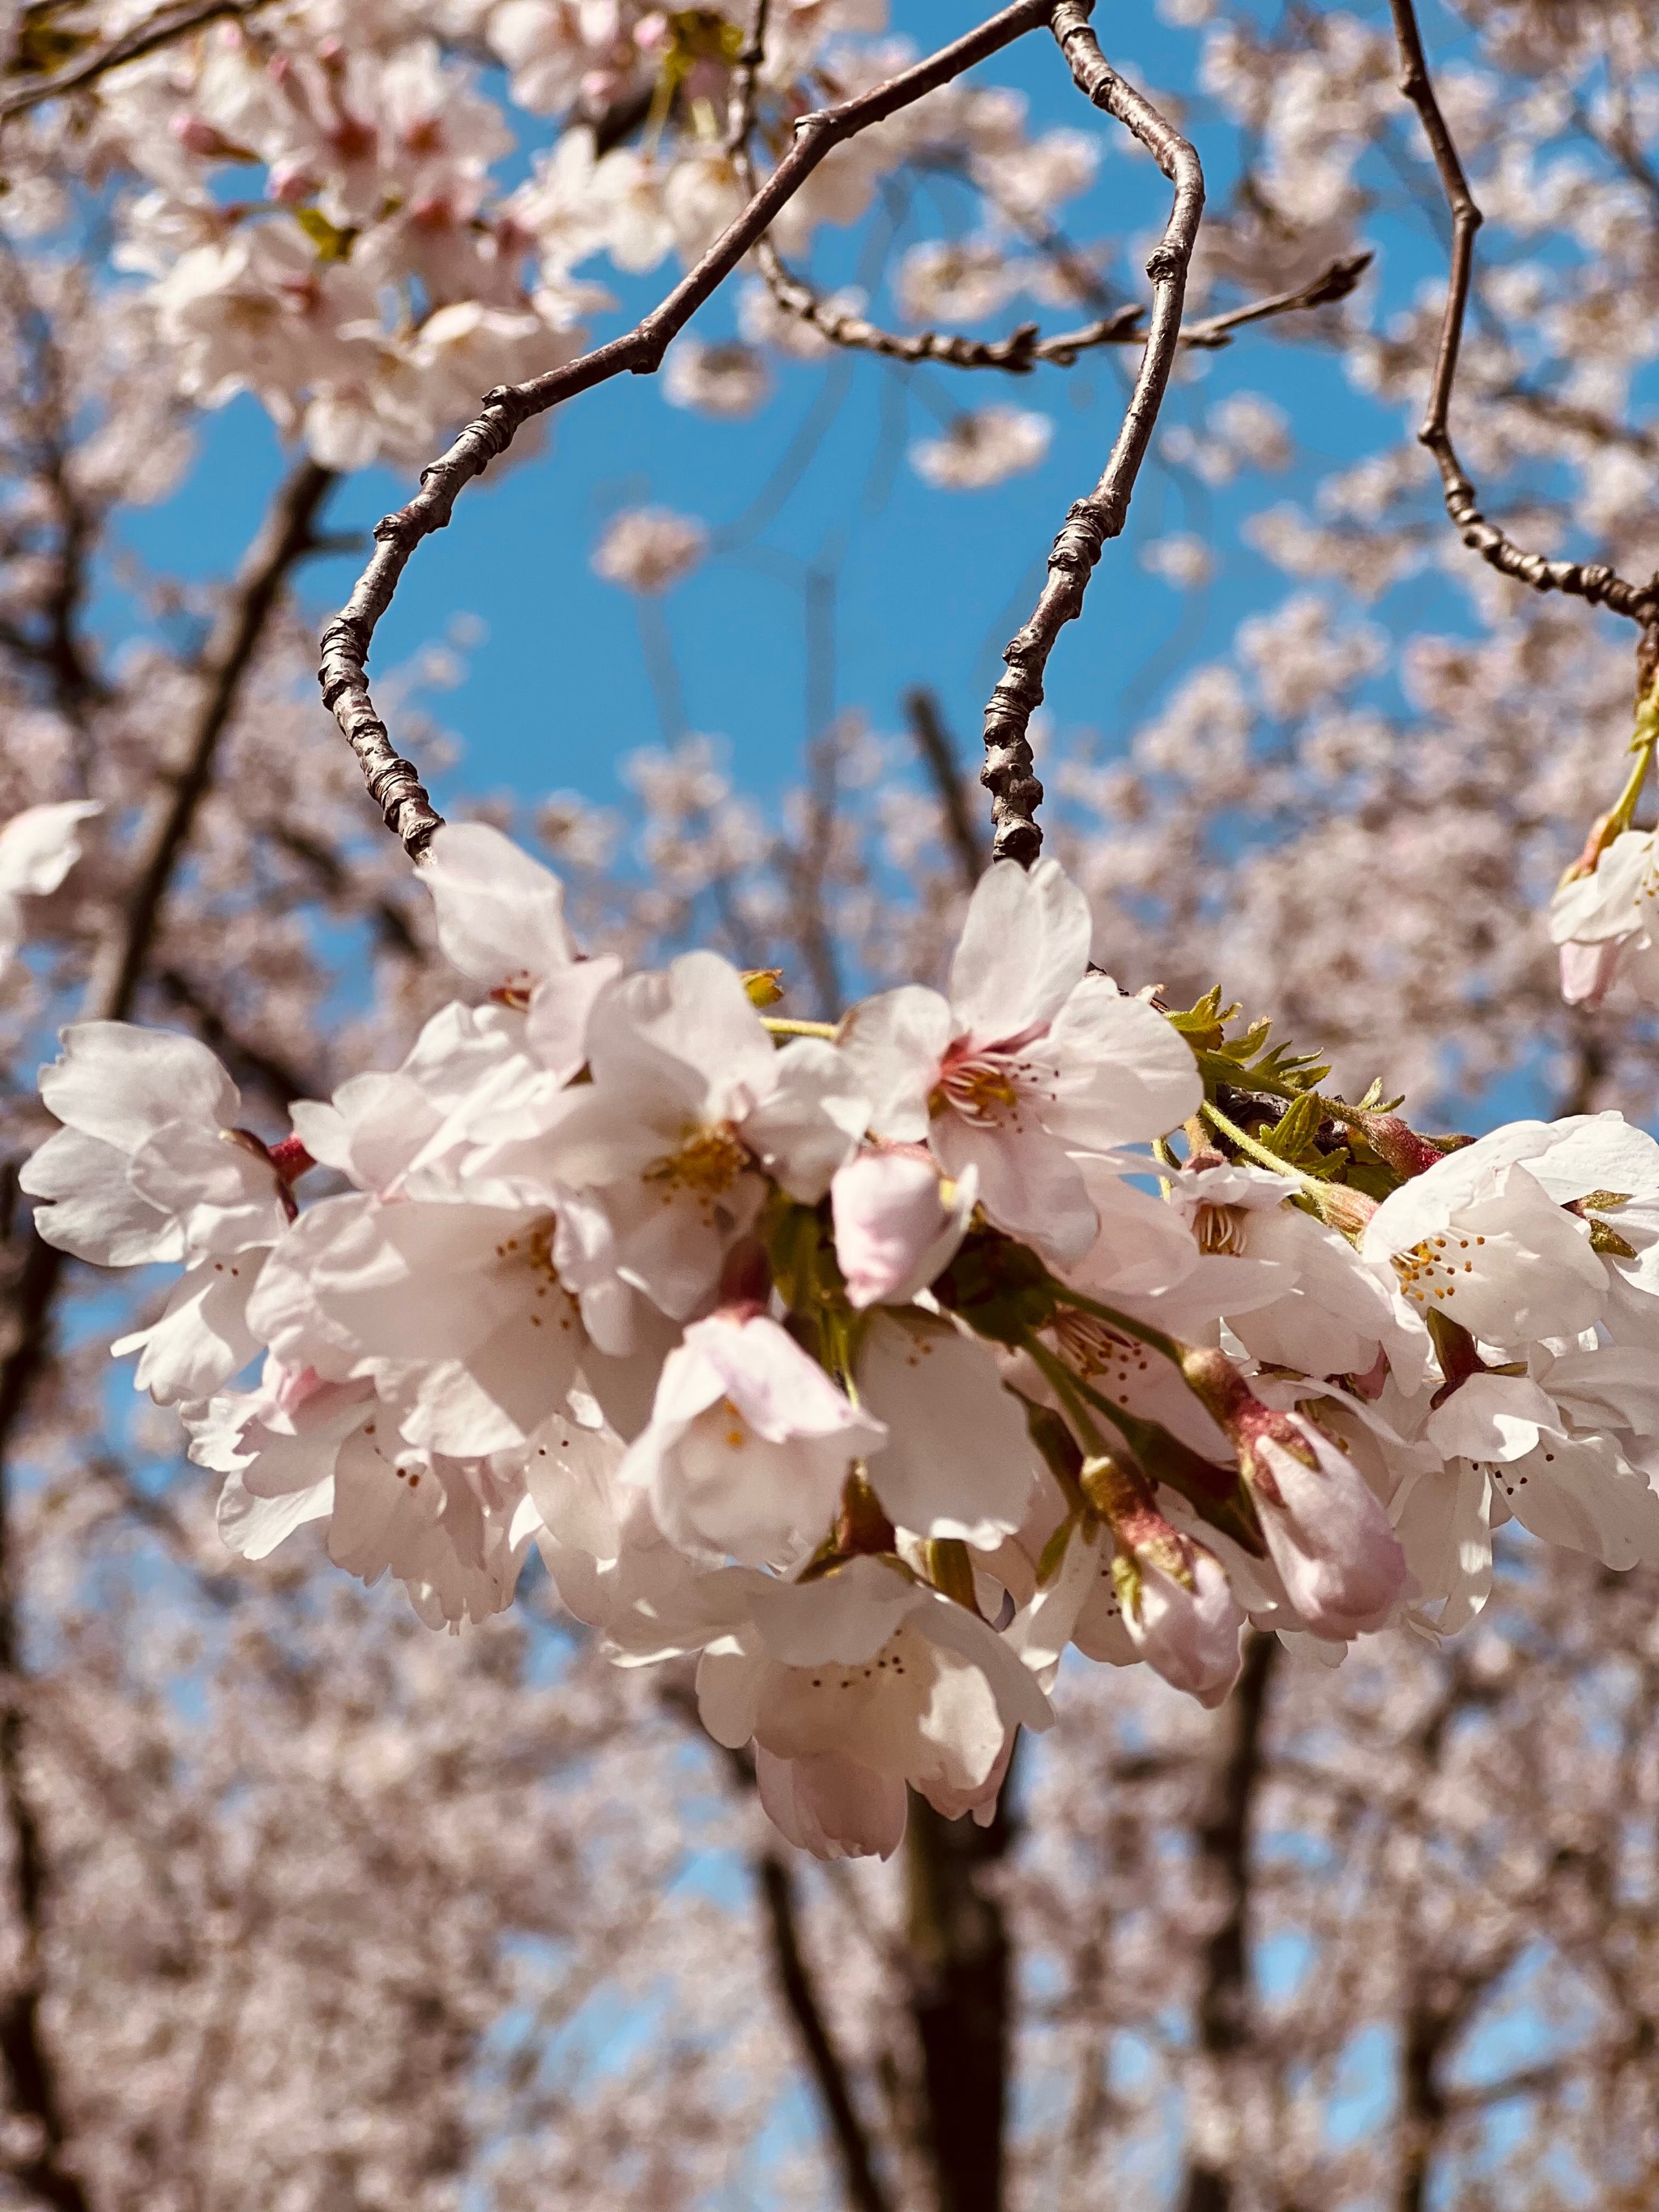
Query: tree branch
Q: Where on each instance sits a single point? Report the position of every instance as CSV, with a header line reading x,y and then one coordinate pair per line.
x,y
777,1888
938,758
1223,1841
285,538
1007,773
961,1988
31,2071
1594,580
143,39
392,781
1025,349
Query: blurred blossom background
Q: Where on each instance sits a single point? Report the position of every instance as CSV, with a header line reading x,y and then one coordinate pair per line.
x,y
307,1908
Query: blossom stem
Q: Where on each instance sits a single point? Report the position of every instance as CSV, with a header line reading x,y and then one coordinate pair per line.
x,y
952,1571
1067,1388
1143,1332
1080,1397
1642,745
781,1027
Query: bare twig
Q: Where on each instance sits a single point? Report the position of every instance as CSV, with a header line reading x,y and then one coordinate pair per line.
x,y
938,758
1592,580
740,115
143,39
1007,773
392,781
1018,354
1336,281
1024,348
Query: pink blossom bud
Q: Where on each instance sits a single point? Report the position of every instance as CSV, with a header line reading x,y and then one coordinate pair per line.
x,y
204,139
1339,1560
1184,1623
290,183
1338,1557
1406,1152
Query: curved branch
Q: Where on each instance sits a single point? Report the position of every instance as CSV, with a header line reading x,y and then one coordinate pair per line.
x,y
1593,580
1007,773
161,30
392,782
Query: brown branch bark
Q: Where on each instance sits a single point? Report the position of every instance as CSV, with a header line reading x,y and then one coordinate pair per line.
x,y
31,2070
960,1964
161,30
1025,349
286,537
1222,1842
392,782
932,742
1007,773
740,112
1592,580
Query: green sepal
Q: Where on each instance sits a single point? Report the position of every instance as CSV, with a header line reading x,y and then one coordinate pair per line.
x,y
332,243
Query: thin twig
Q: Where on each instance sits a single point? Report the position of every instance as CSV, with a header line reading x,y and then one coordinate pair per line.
x,y
143,39
1024,348
1018,354
1007,773
740,114
1592,580
392,782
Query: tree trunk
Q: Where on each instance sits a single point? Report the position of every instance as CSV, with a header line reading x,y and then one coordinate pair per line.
x,y
961,2000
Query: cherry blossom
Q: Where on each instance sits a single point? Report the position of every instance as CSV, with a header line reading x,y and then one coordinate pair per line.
x,y
1602,922
1030,1058
749,1444
649,549
38,848
983,448
151,1165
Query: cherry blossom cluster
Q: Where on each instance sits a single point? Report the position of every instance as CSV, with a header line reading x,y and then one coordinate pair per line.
x,y
877,1364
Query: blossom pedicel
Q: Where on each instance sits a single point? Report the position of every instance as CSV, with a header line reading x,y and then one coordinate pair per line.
x,y
865,1366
